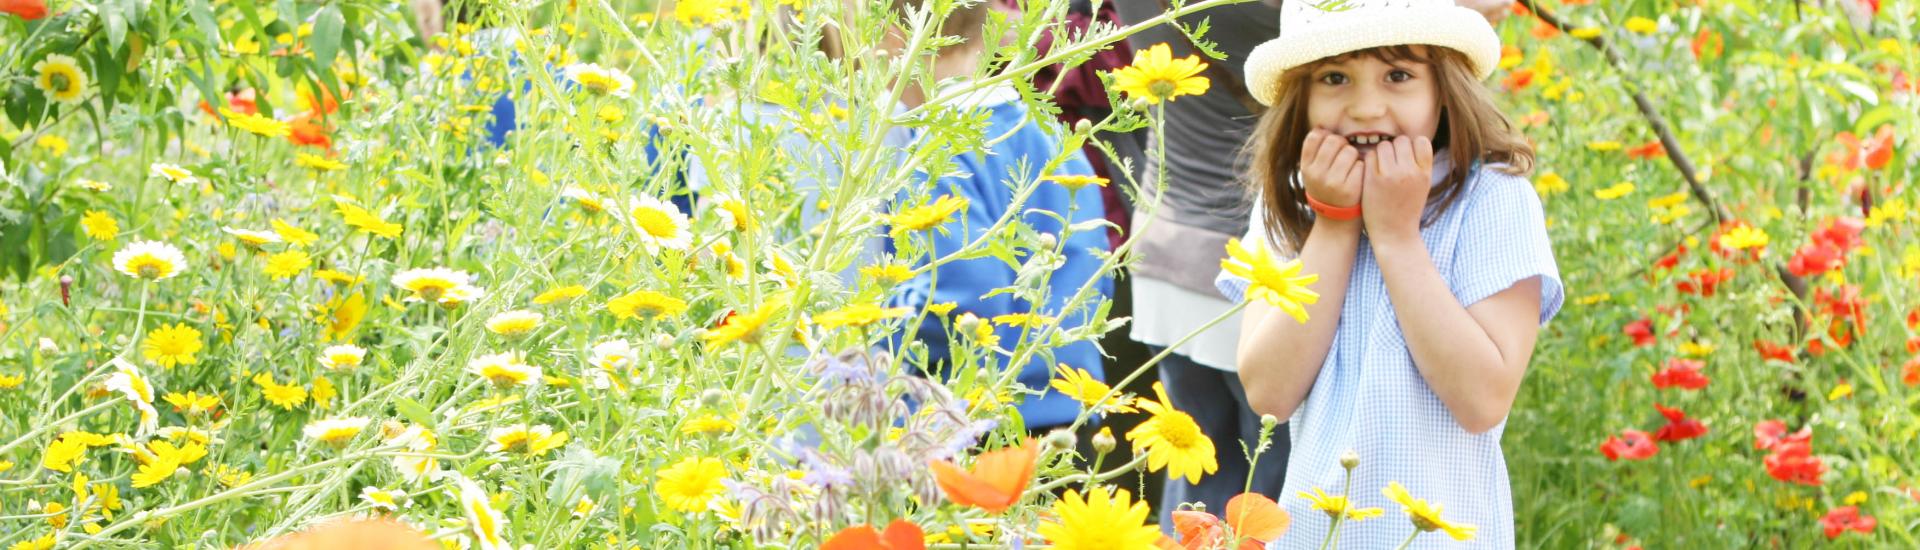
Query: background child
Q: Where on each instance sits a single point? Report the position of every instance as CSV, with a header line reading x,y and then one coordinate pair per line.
x,y
987,180
1385,167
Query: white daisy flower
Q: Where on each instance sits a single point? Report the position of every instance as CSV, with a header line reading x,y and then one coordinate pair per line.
x,y
336,432
659,223
151,260
342,357
173,173
430,284
518,322
600,80
505,370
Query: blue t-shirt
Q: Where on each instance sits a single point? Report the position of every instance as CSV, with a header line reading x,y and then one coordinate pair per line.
x,y
987,180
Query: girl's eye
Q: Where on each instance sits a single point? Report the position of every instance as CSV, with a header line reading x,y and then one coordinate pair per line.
x,y
1333,79
1399,75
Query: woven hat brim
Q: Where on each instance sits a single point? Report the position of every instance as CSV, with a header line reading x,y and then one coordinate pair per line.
x,y
1453,27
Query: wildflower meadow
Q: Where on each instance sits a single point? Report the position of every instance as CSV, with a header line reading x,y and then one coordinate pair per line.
x,y
603,274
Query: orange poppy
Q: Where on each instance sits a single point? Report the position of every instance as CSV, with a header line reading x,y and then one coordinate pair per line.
x,y
900,535
996,481
28,10
1255,519
304,130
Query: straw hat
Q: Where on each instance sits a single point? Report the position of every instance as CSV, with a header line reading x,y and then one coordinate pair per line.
x,y
1309,33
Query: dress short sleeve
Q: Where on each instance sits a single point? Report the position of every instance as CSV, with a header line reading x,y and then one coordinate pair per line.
x,y
1503,240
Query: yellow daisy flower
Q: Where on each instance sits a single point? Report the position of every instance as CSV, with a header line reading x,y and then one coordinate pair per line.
x,y
99,225
1173,441
192,403
171,345
1278,284
887,274
287,264
645,304
430,284
1335,506
292,234
858,315
1156,76
487,526
514,323
335,432
505,370
534,440
1083,387
560,294
284,396
257,124
744,327
1426,517
928,216
1103,519
317,162
692,483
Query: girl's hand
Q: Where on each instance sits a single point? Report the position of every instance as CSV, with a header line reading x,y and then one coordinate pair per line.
x,y
1399,174
1330,169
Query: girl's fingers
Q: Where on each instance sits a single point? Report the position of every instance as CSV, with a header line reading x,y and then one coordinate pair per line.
x,y
1330,146
1311,146
1356,176
1343,161
1423,152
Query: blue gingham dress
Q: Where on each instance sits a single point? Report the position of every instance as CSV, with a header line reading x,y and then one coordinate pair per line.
x,y
1370,399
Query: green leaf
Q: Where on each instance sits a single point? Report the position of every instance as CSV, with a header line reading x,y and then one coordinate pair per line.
x,y
113,14
414,411
202,17
327,27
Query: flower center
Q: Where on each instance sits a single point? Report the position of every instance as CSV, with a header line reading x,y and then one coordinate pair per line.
x,y
61,83
1162,88
656,223
1179,429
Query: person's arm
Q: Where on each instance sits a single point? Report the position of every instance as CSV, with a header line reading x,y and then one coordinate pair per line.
x,y
1279,357
1473,358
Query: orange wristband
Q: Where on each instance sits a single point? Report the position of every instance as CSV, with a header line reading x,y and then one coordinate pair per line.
x,y
1331,212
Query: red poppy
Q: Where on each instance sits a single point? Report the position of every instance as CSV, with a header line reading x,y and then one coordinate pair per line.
x,y
1776,352
1649,150
1670,260
1630,445
1679,427
1814,259
1913,319
1704,282
1769,434
27,9
1913,345
1641,331
1517,80
325,103
1795,464
1846,518
1842,233
1910,372
242,102
1846,304
1684,373
997,479
1874,153
307,130
1543,30
1253,518
1903,84
900,535
1708,44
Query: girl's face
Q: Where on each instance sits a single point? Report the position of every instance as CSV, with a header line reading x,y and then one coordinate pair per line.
x,y
1367,100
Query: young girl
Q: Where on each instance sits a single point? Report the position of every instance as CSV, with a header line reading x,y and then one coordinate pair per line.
x,y
1385,167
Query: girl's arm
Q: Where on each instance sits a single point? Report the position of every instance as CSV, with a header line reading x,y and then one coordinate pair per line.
x,y
1473,358
1279,357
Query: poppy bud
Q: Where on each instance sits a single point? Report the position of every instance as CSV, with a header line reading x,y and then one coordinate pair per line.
x,y
66,290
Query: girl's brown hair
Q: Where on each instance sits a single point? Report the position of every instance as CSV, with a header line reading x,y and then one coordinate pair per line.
x,y
1471,128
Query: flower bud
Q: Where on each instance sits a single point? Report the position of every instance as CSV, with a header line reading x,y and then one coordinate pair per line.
x,y
1083,127
663,340
713,398
1269,421
967,323
1048,241
1349,460
1060,440
1104,442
